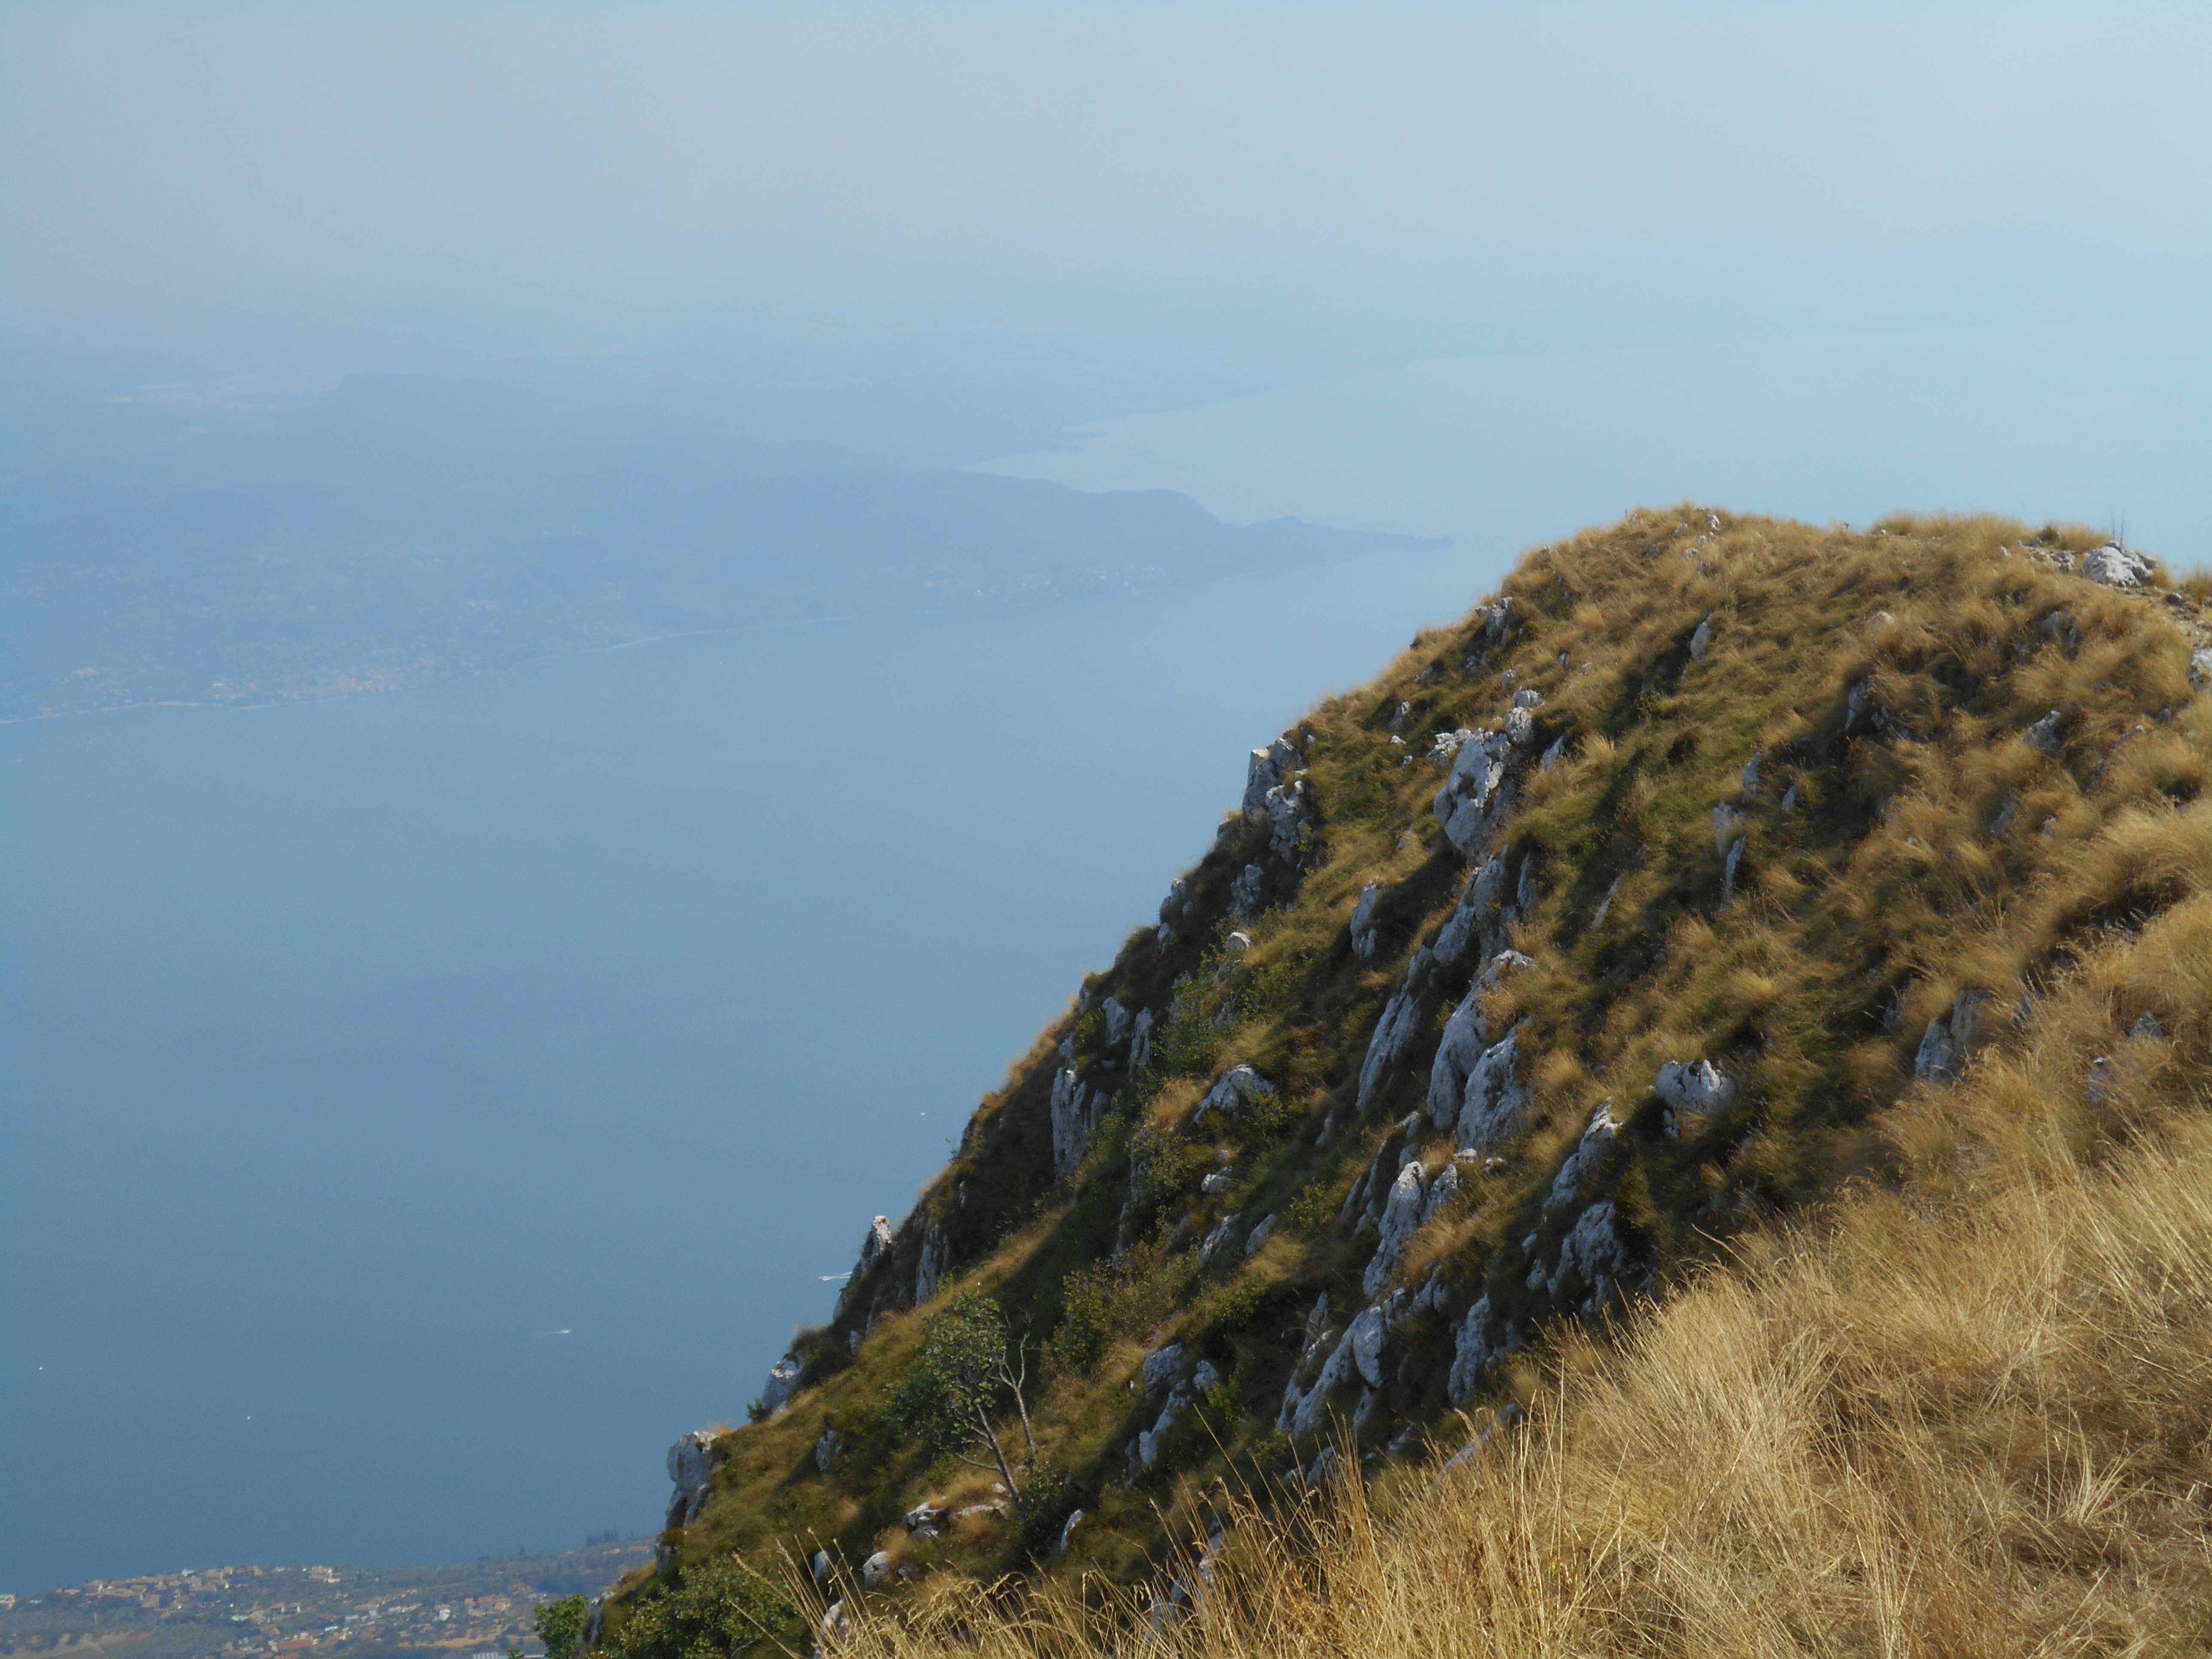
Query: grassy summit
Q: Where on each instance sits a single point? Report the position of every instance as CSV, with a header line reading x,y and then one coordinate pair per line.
x,y
1773,1068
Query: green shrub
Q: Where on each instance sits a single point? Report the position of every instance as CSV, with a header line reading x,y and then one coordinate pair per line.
x,y
1313,1207
560,1624
1229,1307
716,1608
1108,1301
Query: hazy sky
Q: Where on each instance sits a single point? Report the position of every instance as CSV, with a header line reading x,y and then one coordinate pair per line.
x,y
1207,199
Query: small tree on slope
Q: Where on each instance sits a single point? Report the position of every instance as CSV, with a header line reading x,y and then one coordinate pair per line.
x,y
963,1382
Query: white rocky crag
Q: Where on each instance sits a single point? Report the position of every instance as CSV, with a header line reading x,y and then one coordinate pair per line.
x,y
1401,1218
828,1447
1501,619
1414,1201
1262,1232
1289,818
875,1246
1597,1138
2044,737
2117,566
1372,1190
1702,641
1466,1035
1478,793
1141,1042
1729,828
1075,1112
1394,1032
1482,1341
1163,1366
1692,1088
1446,744
1269,768
876,1571
1949,1040
927,1520
1358,1352
1115,1018
1593,1254
1363,920
1477,914
1244,891
929,1269
1233,1090
1173,907
691,1464
1495,1106
1220,1239
782,1383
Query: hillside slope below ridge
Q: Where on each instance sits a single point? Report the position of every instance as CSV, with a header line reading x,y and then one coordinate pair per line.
x,y
1707,870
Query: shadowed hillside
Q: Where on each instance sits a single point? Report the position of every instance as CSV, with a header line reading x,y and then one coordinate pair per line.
x,y
1711,1046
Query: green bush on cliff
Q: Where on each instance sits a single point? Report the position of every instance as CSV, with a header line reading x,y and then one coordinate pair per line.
x,y
716,1608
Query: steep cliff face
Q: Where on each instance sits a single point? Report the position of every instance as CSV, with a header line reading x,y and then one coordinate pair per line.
x,y
1597,930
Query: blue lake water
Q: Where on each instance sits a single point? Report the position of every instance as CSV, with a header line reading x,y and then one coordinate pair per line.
x,y
422,1107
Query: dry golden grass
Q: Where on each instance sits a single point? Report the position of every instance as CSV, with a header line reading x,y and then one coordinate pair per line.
x,y
1970,1414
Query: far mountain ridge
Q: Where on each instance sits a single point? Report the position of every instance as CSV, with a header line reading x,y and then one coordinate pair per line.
x,y
286,592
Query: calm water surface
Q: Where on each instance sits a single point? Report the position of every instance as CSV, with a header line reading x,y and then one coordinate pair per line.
x,y
423,1107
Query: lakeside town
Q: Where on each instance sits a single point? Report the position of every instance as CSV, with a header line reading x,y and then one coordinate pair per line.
x,y
479,1610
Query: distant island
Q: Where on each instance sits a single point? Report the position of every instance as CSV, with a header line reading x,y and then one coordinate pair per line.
x,y
279,593
466,1612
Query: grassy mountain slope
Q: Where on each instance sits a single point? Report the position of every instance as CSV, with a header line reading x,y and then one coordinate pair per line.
x,y
1809,936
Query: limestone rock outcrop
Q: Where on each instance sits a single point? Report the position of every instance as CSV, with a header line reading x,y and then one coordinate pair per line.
x,y
1467,1035
1400,1024
1478,793
1363,920
1692,1089
1494,1107
1482,1340
692,1461
1267,768
1592,1258
929,1269
876,1246
782,1383
1949,1040
1141,1042
1477,916
1597,1138
1076,1109
1233,1090
2116,566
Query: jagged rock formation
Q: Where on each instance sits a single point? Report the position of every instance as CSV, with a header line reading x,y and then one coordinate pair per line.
x,y
1411,1068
